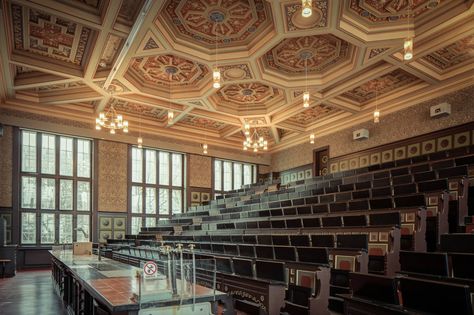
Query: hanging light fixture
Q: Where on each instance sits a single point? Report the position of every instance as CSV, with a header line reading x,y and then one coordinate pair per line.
x,y
140,142
408,43
306,8
204,148
216,74
311,138
170,116
111,120
254,140
306,93
376,112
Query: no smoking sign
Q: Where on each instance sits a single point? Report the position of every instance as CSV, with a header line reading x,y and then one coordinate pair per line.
x,y
150,270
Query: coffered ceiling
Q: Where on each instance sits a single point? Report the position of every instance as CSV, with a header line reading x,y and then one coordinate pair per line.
x,y
71,59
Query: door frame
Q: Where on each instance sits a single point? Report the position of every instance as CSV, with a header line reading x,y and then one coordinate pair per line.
x,y
315,160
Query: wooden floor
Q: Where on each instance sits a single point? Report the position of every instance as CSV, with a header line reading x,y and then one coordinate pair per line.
x,y
29,292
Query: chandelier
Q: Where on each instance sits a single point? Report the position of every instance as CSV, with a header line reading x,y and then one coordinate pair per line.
x,y
111,120
253,140
307,9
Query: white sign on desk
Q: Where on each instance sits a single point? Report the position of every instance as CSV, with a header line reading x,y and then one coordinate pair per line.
x,y
150,270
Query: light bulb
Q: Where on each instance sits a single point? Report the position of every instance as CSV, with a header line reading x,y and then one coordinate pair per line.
x,y
125,123
119,117
247,132
97,127
311,138
307,9
260,139
170,116
97,121
112,131
125,130
255,150
140,142
247,126
376,116
265,148
216,78
306,99
244,148
408,48
102,116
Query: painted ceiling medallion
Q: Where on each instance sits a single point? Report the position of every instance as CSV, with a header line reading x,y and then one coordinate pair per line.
x,y
320,52
165,68
388,11
236,22
247,93
47,35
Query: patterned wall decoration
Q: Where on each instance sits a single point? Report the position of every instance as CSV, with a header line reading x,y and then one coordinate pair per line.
x,y
60,86
388,11
238,22
374,52
283,132
47,35
295,21
200,170
6,167
150,44
246,94
200,122
164,69
389,82
319,52
311,114
451,55
416,118
111,227
112,179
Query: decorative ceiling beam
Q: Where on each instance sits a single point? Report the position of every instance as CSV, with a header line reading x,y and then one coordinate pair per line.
x,y
276,135
40,81
6,76
230,131
180,116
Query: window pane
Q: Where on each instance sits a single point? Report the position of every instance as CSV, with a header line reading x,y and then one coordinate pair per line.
x,y
227,176
28,151
164,168
83,158
254,169
65,156
150,222
176,201
164,200
218,175
28,228
177,170
48,193
65,228
83,196
247,174
150,200
137,165
137,193
47,228
83,228
136,225
28,192
237,175
48,154
150,171
65,194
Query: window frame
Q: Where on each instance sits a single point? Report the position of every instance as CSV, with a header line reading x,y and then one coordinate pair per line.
x,y
156,186
39,176
253,171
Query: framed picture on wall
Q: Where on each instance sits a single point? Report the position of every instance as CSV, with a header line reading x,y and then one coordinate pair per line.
x,y
300,175
308,173
293,177
205,196
195,196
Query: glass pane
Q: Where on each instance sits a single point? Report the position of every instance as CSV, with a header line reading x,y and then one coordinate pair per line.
x,y
28,192
137,165
218,175
65,156
48,193
137,193
177,170
136,225
237,175
65,228
28,151
164,158
82,234
47,228
48,154
247,174
65,194
83,196
150,171
164,200
28,228
150,222
227,176
150,200
176,201
254,178
83,158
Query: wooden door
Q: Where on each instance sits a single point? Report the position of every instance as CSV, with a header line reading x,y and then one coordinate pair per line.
x,y
321,161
